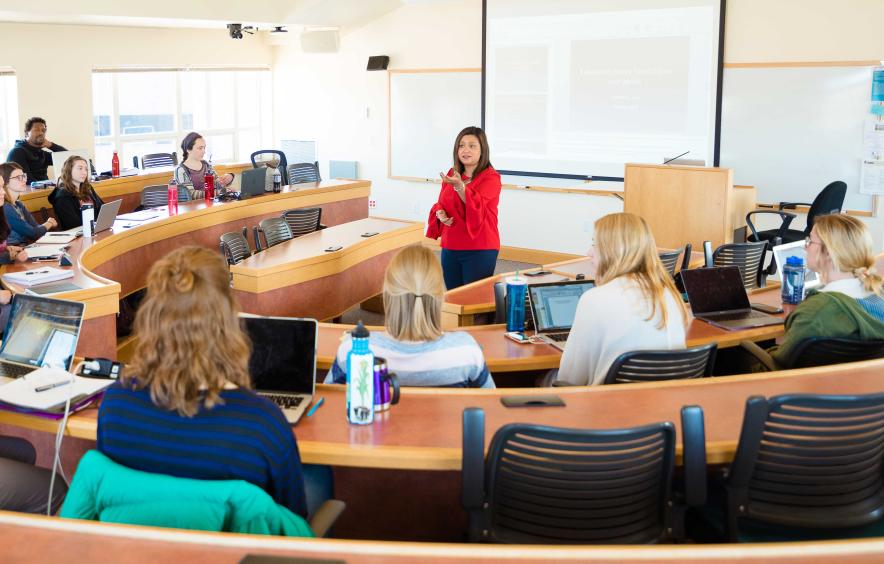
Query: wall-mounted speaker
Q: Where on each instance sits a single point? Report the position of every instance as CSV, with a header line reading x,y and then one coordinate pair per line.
x,y
325,41
378,62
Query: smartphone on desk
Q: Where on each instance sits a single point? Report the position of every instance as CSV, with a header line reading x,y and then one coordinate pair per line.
x,y
764,308
537,273
520,338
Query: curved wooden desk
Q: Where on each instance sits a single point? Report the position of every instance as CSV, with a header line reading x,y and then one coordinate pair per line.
x,y
49,540
423,432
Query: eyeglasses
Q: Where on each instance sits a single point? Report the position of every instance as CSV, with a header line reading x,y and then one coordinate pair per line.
x,y
808,242
22,176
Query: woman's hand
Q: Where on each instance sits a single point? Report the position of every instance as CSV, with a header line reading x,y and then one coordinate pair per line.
x,y
50,223
17,254
454,180
5,297
444,218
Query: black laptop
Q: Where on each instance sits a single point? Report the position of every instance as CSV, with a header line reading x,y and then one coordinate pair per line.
x,y
252,183
283,361
717,296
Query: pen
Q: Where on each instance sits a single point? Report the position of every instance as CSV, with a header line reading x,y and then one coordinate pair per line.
x,y
51,386
315,406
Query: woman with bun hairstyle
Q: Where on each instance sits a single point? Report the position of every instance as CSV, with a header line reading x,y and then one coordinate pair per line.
x,y
184,406
192,171
465,215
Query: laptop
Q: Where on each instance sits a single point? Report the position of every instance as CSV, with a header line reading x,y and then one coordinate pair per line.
x,y
252,183
553,305
717,296
283,361
107,215
796,249
40,332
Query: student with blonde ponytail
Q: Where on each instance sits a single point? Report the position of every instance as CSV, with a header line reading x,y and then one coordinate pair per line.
x,y
850,304
634,306
414,345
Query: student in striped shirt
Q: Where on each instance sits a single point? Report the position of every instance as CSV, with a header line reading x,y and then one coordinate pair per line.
x,y
183,406
414,345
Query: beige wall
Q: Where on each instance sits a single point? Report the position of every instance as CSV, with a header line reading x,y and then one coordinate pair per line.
x,y
53,65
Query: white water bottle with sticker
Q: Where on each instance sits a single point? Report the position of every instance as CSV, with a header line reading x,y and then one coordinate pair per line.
x,y
87,214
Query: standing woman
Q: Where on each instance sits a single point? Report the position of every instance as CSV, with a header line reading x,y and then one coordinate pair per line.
x,y
24,229
465,216
193,169
73,191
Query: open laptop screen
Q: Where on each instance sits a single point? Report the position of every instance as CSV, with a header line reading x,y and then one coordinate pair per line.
x,y
555,304
283,353
42,331
715,289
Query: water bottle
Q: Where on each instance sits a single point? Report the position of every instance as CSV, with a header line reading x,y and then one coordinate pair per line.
x,y
173,195
115,165
516,286
87,214
277,181
793,281
209,179
360,378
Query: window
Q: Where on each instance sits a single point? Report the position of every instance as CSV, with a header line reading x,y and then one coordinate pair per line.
x,y
10,128
150,111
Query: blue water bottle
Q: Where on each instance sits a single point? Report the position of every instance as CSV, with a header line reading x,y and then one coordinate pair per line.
x,y
516,286
360,378
793,281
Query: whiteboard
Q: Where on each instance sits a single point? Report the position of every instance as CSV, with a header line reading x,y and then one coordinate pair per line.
x,y
790,131
427,111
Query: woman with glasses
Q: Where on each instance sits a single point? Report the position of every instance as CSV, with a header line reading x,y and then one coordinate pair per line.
x,y
24,229
850,304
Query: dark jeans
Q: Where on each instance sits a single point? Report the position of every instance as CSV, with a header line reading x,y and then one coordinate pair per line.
x,y
463,267
23,486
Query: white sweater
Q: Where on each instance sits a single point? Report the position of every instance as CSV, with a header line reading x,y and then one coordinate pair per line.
x,y
612,320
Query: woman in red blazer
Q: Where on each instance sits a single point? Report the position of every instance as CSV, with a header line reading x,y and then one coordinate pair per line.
x,y
465,216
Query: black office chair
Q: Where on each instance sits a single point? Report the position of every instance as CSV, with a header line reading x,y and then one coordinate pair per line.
x,y
830,200
806,464
670,260
659,365
155,160
235,246
500,306
303,221
821,351
158,196
550,485
303,172
749,257
273,159
275,230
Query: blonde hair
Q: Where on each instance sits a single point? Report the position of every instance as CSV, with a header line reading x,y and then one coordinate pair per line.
x,y
190,342
626,247
413,288
848,243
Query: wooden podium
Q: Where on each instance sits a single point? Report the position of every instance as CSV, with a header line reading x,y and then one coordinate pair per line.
x,y
687,204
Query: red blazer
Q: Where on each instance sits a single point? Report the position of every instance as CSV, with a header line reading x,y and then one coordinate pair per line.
x,y
475,221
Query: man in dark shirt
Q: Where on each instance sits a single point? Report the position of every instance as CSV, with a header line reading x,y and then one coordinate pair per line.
x,y
29,153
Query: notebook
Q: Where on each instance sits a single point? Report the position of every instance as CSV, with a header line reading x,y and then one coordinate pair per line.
x,y
40,332
40,390
553,305
283,361
35,276
59,237
44,252
717,296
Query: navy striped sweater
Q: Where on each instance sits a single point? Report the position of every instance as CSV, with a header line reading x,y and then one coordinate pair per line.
x,y
245,438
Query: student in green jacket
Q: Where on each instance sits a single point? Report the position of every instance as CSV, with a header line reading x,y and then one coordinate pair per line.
x,y
850,304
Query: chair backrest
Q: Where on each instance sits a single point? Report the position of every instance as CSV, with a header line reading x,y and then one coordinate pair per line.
x,y
686,260
235,246
749,257
154,160
158,196
821,351
275,230
271,158
670,260
830,200
654,366
303,221
562,486
808,461
303,172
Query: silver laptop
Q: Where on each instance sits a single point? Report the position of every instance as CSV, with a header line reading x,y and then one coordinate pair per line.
x,y
553,305
283,361
107,215
717,296
40,332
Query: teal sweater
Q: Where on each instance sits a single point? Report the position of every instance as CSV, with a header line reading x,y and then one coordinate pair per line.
x,y
105,491
826,314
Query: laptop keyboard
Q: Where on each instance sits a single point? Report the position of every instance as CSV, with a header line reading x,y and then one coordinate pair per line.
x,y
733,316
558,337
285,402
14,370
